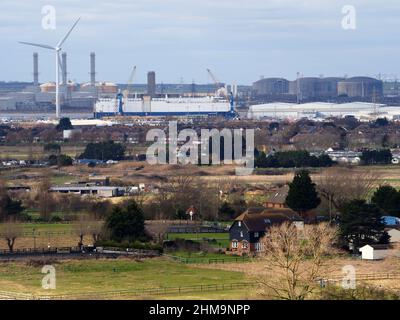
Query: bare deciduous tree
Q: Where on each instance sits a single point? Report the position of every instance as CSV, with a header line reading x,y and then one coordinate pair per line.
x,y
10,231
95,228
46,201
81,228
338,185
294,259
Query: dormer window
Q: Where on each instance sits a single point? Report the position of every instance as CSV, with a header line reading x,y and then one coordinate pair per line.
x,y
241,234
240,223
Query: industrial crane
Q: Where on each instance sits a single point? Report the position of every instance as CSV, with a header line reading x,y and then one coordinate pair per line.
x,y
129,85
220,90
122,98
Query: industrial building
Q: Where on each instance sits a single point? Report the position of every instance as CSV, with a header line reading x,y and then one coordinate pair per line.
x,y
314,88
109,99
271,86
322,110
7,104
37,96
360,87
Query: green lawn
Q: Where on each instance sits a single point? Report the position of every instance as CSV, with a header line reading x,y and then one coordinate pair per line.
x,y
221,238
74,277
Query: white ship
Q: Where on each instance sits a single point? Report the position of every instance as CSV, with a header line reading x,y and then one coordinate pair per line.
x,y
167,106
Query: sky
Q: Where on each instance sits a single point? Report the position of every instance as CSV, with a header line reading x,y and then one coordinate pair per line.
x,y
240,41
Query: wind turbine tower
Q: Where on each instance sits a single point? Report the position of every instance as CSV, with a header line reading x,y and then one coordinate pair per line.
x,y
57,50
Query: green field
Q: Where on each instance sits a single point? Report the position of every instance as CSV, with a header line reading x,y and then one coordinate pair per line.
x,y
205,257
77,277
47,227
221,238
35,151
61,179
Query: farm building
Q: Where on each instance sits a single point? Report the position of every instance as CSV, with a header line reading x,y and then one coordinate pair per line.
x,y
99,191
374,251
248,228
278,198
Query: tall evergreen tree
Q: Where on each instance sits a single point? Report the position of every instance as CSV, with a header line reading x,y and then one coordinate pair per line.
x,y
106,150
225,211
126,223
361,223
388,199
9,208
302,196
64,124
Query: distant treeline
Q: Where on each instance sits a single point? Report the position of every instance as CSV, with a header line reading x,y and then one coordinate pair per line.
x,y
291,159
370,157
104,151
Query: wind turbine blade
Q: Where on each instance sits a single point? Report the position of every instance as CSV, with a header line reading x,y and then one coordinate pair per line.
x,y
38,45
67,35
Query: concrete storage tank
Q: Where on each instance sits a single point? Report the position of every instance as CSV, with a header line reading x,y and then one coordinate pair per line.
x,y
360,87
72,86
271,86
107,87
101,87
48,87
328,87
308,87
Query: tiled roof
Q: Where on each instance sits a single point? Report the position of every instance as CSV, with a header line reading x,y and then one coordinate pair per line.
x,y
279,196
258,219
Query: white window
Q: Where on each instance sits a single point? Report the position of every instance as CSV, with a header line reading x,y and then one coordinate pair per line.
x,y
241,234
234,244
255,234
245,244
258,246
240,223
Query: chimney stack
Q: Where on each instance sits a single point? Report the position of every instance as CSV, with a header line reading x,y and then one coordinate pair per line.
x,y
92,68
35,69
64,67
151,83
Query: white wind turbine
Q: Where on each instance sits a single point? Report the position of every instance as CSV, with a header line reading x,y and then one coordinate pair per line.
x,y
57,49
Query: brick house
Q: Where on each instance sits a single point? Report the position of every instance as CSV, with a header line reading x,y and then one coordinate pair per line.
x,y
248,228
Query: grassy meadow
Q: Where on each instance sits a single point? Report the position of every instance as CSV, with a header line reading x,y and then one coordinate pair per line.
x,y
86,276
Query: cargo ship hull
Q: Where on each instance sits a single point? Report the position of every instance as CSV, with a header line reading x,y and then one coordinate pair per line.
x,y
205,106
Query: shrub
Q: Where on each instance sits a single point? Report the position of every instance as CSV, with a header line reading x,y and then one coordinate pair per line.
x,y
104,151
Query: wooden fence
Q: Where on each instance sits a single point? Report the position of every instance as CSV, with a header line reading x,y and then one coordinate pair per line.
x,y
364,276
190,260
98,295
